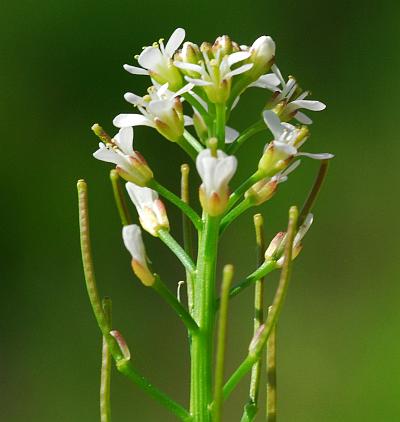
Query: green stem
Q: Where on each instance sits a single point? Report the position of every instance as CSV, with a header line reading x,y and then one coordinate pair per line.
x,y
251,408
196,104
260,272
221,344
188,234
170,196
204,314
193,141
126,368
252,130
235,213
220,125
105,378
235,196
183,314
123,365
259,341
271,376
177,249
120,199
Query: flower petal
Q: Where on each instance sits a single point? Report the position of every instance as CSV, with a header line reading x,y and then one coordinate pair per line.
x,y
269,81
124,140
134,99
135,70
230,134
198,82
126,120
302,118
188,66
273,122
239,70
320,156
150,57
175,40
308,105
238,57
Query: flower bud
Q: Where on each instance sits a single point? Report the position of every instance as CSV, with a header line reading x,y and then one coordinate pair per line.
x,y
262,56
215,172
274,247
151,210
132,237
222,46
262,191
200,126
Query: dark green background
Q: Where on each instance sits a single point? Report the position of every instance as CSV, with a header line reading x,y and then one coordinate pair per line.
x,y
339,333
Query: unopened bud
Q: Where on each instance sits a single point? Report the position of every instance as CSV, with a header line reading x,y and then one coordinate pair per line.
x,y
274,247
262,56
200,126
262,191
222,46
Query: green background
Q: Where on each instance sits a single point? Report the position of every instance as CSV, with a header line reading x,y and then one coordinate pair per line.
x,y
339,333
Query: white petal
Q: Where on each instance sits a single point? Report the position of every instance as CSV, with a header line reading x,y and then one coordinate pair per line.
x,y
175,40
278,73
187,121
183,90
230,134
200,100
238,57
321,156
159,108
273,122
308,105
135,70
302,118
124,140
132,237
225,170
198,82
286,149
162,90
239,70
150,57
188,66
105,154
126,120
269,81
134,99
235,102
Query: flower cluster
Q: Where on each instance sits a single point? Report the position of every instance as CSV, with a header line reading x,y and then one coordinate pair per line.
x,y
211,78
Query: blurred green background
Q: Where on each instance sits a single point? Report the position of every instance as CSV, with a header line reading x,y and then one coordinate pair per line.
x,y
339,334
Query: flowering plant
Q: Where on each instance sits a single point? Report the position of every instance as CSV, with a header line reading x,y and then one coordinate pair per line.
x,y
206,83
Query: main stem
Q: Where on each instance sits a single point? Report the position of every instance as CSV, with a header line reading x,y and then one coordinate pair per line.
x,y
204,314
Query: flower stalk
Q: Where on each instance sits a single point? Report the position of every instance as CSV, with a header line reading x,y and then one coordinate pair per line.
x,y
199,85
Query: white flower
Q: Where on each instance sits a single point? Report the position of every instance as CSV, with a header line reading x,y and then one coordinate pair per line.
x,y
215,75
150,208
132,237
289,96
269,81
160,109
287,138
130,164
215,172
156,61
